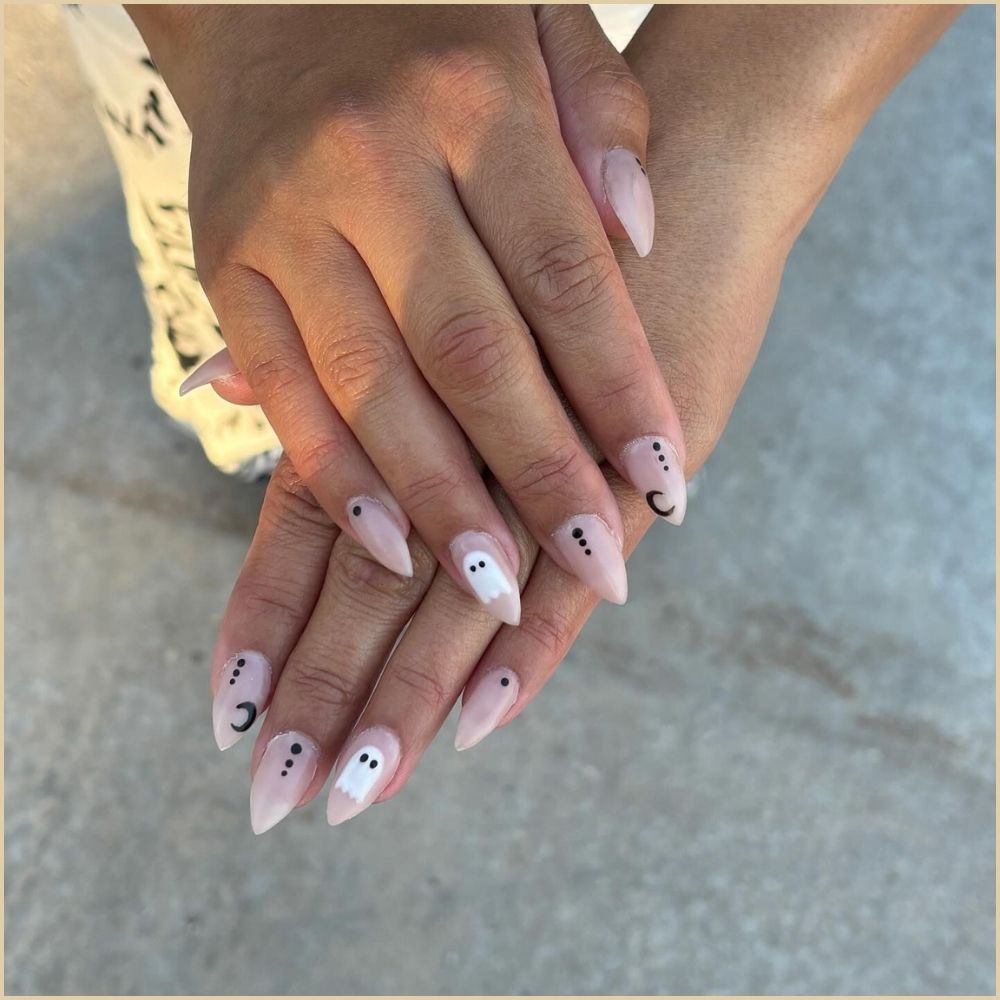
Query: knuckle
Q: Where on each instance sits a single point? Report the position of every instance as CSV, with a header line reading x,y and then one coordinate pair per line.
x,y
623,384
473,82
423,684
358,134
270,373
360,577
568,276
318,459
474,351
317,685
557,473
612,87
360,365
291,502
551,630
433,489
270,599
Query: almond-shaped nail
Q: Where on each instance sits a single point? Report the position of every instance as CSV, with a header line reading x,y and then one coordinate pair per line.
x,y
281,779
489,574
218,366
594,556
627,189
485,706
243,689
364,768
653,468
379,532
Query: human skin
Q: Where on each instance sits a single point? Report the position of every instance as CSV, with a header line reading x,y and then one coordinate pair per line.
x,y
753,110
390,227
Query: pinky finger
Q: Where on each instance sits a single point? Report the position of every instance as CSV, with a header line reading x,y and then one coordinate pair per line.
x,y
520,661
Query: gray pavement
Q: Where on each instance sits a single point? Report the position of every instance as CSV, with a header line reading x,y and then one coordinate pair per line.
x,y
809,663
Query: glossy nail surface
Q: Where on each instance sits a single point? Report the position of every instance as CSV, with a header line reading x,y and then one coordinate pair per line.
x,y
281,778
365,767
218,366
379,532
653,468
594,556
488,574
629,194
243,689
485,706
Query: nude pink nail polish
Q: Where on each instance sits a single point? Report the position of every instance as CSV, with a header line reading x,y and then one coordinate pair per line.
x,y
489,575
653,468
594,555
218,366
281,779
379,532
485,706
243,689
629,194
364,768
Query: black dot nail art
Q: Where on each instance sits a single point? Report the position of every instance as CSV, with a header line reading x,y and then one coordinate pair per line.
x,y
356,510
373,764
241,662
363,757
577,533
283,773
296,748
504,681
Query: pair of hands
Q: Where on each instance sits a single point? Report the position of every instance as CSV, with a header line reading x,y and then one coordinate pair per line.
x,y
740,151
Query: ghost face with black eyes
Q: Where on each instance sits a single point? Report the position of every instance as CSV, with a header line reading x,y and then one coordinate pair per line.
x,y
361,773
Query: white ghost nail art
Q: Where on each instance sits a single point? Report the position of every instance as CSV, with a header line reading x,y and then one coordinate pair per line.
x,y
485,577
488,574
361,773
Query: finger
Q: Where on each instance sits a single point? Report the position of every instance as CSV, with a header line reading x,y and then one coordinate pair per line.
x,y
519,662
270,604
556,260
267,348
329,674
472,346
414,695
603,116
368,373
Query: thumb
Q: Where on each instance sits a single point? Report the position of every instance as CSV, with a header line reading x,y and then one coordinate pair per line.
x,y
603,116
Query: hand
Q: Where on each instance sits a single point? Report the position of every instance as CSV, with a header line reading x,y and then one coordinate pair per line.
x,y
382,203
327,617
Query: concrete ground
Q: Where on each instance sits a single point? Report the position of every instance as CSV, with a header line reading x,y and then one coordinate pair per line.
x,y
809,662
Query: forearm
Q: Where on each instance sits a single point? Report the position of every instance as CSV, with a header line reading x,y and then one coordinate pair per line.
x,y
753,110
803,78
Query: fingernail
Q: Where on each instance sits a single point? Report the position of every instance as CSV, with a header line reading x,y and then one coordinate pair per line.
x,y
243,688
594,555
218,366
654,470
365,767
484,709
378,531
281,778
488,574
627,189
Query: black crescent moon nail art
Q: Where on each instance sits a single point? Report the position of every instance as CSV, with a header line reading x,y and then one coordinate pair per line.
x,y
651,500
251,709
